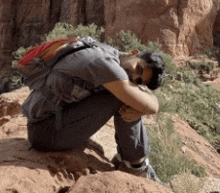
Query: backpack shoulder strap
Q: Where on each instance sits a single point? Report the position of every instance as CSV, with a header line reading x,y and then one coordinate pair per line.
x,y
68,49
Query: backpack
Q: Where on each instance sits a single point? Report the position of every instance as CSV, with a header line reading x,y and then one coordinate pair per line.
x,y
44,51
37,63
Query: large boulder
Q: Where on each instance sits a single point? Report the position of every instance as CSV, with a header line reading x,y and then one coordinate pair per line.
x,y
85,169
119,183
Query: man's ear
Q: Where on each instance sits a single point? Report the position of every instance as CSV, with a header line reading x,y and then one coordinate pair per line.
x,y
134,52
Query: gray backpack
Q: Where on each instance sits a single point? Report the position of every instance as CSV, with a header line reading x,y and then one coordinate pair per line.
x,y
34,74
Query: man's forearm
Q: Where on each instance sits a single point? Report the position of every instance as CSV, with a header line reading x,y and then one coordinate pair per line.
x,y
138,98
144,88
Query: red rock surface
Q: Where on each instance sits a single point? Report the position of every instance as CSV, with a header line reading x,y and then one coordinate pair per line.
x,y
116,182
87,168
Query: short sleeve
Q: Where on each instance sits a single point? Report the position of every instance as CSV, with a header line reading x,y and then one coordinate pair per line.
x,y
106,69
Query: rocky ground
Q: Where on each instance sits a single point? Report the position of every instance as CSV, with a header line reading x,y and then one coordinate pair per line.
x,y
86,169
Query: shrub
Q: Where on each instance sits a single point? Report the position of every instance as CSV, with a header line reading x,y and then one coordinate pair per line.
x,y
18,55
64,30
166,156
186,183
129,41
198,103
111,42
202,67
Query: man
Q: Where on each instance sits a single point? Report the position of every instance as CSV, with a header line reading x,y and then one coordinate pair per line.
x,y
89,87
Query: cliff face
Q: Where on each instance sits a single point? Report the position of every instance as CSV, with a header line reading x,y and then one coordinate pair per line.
x,y
216,30
24,22
182,27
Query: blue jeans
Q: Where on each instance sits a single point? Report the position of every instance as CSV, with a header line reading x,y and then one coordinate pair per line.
x,y
82,119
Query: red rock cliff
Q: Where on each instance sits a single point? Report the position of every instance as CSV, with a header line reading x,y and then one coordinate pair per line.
x,y
24,22
182,27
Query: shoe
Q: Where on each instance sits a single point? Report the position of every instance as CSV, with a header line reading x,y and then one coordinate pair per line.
x,y
143,170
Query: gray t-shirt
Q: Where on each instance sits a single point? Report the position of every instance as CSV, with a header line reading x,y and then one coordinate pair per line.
x,y
76,77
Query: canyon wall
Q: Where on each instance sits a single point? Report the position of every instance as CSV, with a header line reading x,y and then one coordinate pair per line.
x,y
24,22
182,27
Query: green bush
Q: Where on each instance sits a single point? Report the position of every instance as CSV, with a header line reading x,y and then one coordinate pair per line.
x,y
198,103
166,156
202,67
111,42
187,183
18,54
129,41
64,30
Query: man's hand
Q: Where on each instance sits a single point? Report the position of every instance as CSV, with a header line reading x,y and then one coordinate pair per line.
x,y
129,114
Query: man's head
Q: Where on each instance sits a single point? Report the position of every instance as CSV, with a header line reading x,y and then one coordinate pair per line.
x,y
144,67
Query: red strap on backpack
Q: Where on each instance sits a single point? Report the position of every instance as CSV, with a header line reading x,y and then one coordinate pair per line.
x,y
45,51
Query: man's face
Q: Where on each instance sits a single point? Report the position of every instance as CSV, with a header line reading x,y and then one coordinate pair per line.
x,y
138,70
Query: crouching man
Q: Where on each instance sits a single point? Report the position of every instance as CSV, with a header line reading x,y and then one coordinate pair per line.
x,y
84,90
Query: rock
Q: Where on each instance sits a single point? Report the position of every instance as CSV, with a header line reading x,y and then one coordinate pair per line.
x,y
216,30
215,83
13,126
8,107
211,185
86,168
25,170
120,182
16,96
10,103
182,27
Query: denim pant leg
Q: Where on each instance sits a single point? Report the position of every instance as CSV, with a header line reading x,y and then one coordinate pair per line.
x,y
132,139
80,120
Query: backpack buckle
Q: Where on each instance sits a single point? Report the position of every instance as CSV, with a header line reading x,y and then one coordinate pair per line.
x,y
88,44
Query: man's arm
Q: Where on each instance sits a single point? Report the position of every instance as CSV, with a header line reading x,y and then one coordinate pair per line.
x,y
129,114
143,101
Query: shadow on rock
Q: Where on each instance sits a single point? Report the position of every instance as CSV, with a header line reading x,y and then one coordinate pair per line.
x,y
84,160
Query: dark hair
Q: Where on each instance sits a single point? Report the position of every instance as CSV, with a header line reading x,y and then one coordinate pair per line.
x,y
155,61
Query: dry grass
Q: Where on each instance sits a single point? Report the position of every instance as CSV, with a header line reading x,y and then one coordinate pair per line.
x,y
186,183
